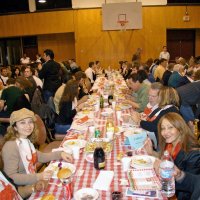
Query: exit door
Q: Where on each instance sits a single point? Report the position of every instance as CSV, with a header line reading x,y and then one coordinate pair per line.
x,y
181,43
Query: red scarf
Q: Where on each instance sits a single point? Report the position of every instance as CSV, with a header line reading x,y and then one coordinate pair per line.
x,y
147,111
177,149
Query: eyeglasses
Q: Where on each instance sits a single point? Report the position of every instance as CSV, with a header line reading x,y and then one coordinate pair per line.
x,y
152,96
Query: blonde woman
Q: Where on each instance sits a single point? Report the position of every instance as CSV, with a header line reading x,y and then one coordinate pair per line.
x,y
19,154
168,101
176,137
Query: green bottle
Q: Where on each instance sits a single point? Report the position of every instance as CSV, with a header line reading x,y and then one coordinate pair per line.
x,y
101,102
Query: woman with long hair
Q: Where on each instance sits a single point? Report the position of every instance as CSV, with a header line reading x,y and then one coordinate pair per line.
x,y
19,154
168,101
68,106
177,138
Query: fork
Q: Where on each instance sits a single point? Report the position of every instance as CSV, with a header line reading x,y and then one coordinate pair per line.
x,y
57,184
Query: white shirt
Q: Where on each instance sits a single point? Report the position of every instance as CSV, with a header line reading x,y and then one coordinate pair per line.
x,y
25,60
4,79
38,81
89,73
164,55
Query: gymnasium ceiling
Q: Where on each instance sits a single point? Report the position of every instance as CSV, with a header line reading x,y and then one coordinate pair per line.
x,y
22,6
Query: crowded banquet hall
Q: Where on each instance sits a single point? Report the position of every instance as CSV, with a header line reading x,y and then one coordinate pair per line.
x,y
99,100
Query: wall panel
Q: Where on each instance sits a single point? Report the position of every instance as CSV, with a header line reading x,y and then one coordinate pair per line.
x,y
36,23
62,44
91,43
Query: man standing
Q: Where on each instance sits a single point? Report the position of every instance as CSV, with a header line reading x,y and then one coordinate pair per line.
x,y
164,54
50,72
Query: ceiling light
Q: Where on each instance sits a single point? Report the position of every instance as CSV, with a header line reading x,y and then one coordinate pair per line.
x,y
42,1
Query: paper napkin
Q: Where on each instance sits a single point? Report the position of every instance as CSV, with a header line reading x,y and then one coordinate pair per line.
x,y
103,180
136,141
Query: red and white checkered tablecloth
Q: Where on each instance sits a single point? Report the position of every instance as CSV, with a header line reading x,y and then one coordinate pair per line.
x,y
90,173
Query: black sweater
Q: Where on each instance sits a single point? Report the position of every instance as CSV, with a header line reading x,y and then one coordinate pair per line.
x,y
66,114
152,126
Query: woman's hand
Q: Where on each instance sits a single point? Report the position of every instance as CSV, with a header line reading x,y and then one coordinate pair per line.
x,y
80,107
45,175
136,117
66,157
178,174
148,146
40,186
156,166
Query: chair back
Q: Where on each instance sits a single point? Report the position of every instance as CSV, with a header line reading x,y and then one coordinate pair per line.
x,y
42,134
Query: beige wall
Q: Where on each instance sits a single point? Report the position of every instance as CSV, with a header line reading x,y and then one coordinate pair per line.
x,y
91,43
63,45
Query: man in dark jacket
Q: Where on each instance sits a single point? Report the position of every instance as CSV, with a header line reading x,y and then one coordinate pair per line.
x,y
50,72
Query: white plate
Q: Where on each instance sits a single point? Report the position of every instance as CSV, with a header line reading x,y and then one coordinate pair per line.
x,y
54,167
132,131
125,106
89,157
84,192
74,142
142,161
107,112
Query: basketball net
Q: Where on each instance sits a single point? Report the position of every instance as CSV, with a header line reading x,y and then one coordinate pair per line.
x,y
122,25
122,21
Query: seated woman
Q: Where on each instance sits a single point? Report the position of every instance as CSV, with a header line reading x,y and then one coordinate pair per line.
x,y
68,107
19,154
10,191
168,102
176,137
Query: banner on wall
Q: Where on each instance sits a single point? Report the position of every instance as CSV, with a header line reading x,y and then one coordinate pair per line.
x,y
118,16
78,4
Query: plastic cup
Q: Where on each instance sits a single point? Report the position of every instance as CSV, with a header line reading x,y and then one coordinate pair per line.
x,y
96,107
109,135
126,161
113,105
76,152
92,130
119,114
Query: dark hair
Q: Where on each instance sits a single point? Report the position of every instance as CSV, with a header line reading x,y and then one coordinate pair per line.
x,y
197,60
70,92
156,61
3,68
171,66
24,83
197,75
66,77
137,76
10,81
91,64
79,75
49,53
142,75
162,60
97,62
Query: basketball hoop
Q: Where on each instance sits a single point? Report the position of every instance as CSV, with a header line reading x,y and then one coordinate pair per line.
x,y
122,21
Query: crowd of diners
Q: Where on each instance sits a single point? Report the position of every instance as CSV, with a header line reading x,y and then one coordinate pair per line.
x,y
165,98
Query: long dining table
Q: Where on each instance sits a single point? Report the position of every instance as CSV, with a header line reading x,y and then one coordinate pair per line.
x,y
86,174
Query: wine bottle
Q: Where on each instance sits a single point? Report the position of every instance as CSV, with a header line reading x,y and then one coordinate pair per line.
x,y
101,102
99,158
